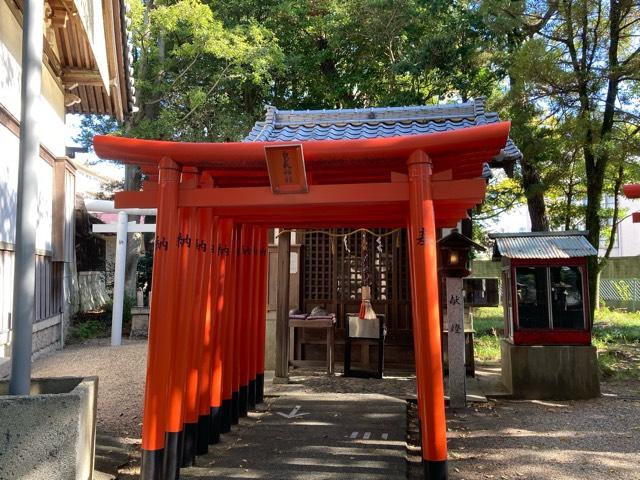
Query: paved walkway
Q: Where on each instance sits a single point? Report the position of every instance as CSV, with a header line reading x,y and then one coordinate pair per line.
x,y
313,436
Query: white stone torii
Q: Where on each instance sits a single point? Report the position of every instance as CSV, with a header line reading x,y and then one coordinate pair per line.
x,y
122,228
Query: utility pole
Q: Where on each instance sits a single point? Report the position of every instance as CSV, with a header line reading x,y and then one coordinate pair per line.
x,y
27,202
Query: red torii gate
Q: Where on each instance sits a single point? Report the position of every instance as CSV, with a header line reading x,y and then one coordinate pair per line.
x,y
207,324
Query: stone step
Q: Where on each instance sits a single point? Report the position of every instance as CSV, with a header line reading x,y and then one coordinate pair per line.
x,y
111,454
5,367
97,475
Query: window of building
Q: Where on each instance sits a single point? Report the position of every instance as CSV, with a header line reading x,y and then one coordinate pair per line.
x,y
533,301
550,297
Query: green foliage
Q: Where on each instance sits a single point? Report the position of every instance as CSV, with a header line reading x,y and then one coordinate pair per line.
x,y
614,326
91,125
486,320
572,94
488,324
205,70
91,328
144,272
97,324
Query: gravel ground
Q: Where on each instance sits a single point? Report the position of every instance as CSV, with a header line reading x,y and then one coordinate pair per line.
x,y
574,440
501,439
395,384
121,372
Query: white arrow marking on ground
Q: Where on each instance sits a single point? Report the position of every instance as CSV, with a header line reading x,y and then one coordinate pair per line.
x,y
366,436
293,414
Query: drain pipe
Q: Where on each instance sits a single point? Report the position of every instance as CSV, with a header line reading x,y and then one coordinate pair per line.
x,y
24,278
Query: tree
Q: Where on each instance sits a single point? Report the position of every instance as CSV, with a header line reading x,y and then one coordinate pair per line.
x,y
582,66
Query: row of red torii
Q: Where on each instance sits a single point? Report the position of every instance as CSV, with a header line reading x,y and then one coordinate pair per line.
x,y
215,201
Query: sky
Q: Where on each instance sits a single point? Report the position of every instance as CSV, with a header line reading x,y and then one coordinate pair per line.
x,y
110,169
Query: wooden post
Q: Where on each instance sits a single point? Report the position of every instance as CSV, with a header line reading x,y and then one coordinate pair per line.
x,y
282,309
426,308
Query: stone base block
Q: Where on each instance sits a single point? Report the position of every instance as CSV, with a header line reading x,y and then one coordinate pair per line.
x,y
139,322
51,433
559,372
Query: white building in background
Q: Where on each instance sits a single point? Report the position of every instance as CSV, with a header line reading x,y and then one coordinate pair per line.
x,y
627,242
84,70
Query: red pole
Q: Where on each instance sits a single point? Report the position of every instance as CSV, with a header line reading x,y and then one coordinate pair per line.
x,y
159,356
248,315
226,413
417,326
199,375
252,323
244,301
184,290
426,318
237,326
262,282
219,306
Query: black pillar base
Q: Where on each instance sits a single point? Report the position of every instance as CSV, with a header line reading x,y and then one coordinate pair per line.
x,y
226,414
235,408
435,470
260,388
190,441
215,424
243,399
151,468
204,428
172,455
251,394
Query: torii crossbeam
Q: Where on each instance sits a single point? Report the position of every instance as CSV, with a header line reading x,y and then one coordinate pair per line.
x,y
207,325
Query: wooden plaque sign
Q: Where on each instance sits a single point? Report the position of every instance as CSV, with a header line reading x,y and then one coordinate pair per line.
x,y
285,164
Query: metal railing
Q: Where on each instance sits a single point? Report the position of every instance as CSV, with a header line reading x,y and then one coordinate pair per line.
x,y
621,293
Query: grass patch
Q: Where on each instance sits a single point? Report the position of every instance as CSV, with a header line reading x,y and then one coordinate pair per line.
x,y
616,335
488,323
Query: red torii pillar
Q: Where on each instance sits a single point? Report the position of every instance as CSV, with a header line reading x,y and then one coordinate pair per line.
x,y
161,323
426,317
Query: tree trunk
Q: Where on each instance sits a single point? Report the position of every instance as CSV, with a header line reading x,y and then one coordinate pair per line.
x,y
595,181
534,191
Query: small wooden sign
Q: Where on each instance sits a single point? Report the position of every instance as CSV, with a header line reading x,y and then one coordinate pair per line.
x,y
287,173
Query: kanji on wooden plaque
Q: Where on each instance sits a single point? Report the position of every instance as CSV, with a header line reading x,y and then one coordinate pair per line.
x,y
286,169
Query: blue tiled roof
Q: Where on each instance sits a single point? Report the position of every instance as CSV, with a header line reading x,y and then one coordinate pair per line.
x,y
299,125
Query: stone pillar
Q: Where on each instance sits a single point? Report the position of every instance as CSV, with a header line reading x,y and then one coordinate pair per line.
x,y
455,343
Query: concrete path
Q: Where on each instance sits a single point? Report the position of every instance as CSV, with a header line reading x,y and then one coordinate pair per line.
x,y
313,436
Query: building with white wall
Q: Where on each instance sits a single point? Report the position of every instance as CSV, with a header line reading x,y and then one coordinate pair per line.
x,y
84,70
627,243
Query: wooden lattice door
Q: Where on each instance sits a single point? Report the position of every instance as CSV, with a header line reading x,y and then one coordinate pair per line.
x,y
332,279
